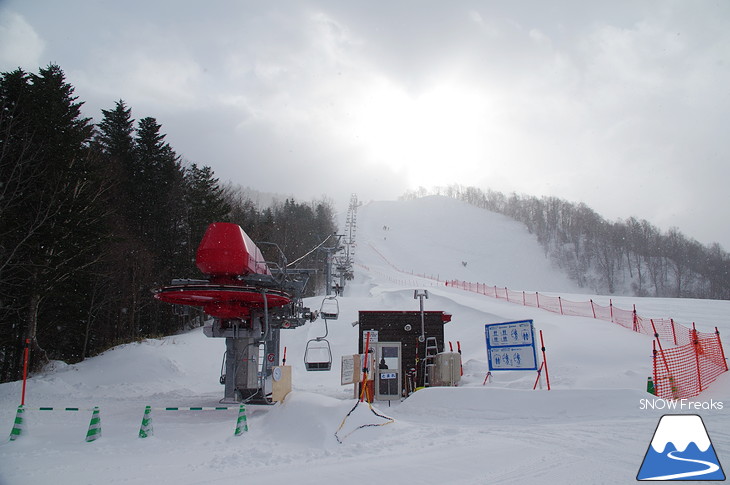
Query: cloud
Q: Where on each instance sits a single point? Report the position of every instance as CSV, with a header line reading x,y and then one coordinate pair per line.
x,y
623,105
20,44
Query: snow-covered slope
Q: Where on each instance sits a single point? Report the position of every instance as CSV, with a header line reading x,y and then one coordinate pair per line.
x,y
447,238
592,427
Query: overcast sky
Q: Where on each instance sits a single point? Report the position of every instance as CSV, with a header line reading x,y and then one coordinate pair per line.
x,y
623,105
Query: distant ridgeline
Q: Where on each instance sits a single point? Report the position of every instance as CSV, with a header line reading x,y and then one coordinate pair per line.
x,y
630,257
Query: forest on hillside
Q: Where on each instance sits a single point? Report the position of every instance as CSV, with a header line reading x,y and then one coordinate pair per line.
x,y
94,216
625,257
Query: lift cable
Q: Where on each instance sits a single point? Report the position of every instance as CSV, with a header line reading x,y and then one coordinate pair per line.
x,y
310,252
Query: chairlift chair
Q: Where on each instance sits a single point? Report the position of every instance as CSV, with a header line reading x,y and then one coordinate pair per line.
x,y
318,355
330,308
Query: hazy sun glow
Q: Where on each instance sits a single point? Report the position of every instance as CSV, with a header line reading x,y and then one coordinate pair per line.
x,y
435,136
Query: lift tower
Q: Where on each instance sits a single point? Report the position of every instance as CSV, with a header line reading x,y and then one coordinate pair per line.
x,y
249,304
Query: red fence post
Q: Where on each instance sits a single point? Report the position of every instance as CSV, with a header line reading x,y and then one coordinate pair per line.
x,y
364,381
674,333
661,350
544,360
635,321
26,352
696,343
656,377
722,351
593,309
537,296
610,305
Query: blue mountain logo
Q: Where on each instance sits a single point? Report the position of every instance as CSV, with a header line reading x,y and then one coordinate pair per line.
x,y
681,450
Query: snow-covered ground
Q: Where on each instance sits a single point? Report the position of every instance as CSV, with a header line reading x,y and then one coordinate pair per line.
x,y
592,427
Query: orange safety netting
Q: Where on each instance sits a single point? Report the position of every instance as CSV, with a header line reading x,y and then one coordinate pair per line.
x,y
679,372
685,371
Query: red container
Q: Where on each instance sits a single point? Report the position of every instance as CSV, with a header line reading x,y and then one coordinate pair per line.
x,y
228,251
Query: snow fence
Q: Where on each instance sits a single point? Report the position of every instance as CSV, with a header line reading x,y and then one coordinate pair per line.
x,y
684,370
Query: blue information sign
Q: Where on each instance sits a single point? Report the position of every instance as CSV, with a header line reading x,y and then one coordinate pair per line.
x,y
511,346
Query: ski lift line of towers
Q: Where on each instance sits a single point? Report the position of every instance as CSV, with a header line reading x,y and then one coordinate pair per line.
x,y
343,260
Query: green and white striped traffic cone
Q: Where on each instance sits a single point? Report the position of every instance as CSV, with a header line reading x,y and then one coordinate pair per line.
x,y
146,429
94,432
241,423
18,426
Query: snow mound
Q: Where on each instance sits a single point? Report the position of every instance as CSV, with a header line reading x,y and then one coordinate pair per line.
x,y
469,404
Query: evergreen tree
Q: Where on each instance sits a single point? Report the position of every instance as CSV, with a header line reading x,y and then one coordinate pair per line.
x,y
159,196
204,203
18,173
65,203
90,222
116,141
116,132
114,290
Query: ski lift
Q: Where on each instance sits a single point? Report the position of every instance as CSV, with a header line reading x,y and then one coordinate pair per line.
x,y
318,353
330,308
